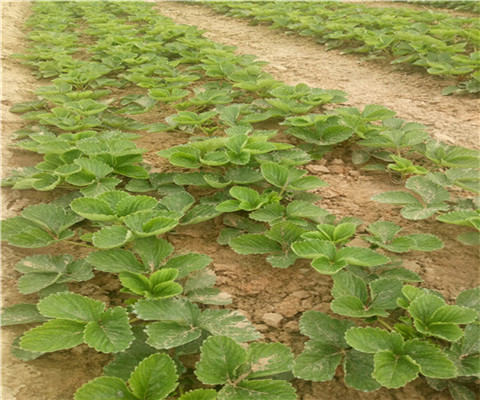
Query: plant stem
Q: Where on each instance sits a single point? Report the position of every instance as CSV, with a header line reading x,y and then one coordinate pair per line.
x,y
80,244
385,325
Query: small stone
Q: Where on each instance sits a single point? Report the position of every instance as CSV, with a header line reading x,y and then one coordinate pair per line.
x,y
337,161
300,294
272,319
261,327
318,169
292,326
289,307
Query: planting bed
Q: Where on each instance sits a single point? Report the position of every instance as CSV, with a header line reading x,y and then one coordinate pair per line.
x,y
273,299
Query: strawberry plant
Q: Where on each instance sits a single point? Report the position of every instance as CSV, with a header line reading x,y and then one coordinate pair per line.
x,y
166,305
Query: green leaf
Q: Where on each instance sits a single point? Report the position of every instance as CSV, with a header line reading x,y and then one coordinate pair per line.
x,y
152,250
470,298
314,248
394,371
275,174
53,335
125,362
358,368
111,333
105,388
134,204
460,392
432,317
42,271
21,314
187,263
115,261
373,340
180,202
110,237
154,378
228,323
321,327
361,256
401,198
263,389
425,242
385,292
22,354
71,306
220,360
433,362
178,310
254,244
171,334
265,359
96,167
318,361
353,307
149,223
348,284
200,394
51,217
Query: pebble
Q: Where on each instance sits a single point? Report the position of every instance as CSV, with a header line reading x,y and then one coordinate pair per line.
x,y
272,319
318,169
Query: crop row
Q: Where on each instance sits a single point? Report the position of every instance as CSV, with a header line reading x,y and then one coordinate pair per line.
x,y
436,41
470,6
82,125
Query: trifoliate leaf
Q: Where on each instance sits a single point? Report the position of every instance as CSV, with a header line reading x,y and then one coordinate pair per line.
x,y
220,360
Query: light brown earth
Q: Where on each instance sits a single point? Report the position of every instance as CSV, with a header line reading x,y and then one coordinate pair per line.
x,y
257,289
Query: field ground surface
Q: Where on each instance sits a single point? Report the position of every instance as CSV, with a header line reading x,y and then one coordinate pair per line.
x,y
258,290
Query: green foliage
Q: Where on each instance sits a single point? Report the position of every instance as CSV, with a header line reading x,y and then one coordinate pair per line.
x,y
385,235
77,319
153,379
178,322
225,362
432,198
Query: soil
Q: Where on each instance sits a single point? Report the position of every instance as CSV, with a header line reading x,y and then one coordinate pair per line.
x,y
273,299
